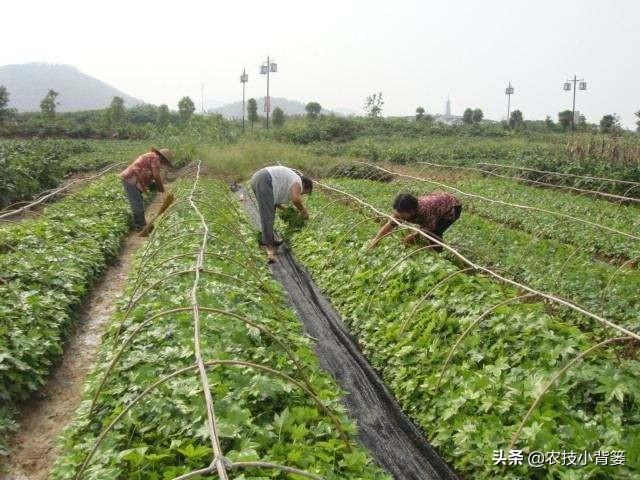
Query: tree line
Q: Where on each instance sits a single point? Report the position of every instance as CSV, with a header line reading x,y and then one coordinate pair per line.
x,y
116,120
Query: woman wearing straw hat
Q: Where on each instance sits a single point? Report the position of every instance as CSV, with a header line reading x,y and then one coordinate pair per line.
x,y
137,177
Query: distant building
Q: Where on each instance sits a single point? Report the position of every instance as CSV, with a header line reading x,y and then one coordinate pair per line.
x,y
448,117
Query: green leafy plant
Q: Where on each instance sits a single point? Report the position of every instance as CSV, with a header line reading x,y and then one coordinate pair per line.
x,y
243,317
46,267
465,356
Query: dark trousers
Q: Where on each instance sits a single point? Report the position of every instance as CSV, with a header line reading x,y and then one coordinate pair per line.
x,y
443,224
263,190
137,206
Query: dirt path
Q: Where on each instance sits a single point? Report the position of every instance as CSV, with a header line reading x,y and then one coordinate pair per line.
x,y
42,419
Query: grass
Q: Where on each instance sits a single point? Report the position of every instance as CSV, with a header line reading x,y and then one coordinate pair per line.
x,y
239,160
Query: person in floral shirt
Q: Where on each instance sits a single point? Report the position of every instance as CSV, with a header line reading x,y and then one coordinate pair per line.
x,y
433,213
137,177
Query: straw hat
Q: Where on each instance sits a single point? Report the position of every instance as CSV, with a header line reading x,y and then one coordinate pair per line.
x,y
165,153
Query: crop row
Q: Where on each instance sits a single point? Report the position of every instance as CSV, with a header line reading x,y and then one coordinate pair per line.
x,y
543,154
46,267
29,167
200,289
467,357
600,241
545,264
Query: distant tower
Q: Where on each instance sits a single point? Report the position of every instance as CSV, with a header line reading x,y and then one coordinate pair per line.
x,y
447,111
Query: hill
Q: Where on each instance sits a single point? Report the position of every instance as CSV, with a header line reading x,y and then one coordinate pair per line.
x,y
289,107
28,84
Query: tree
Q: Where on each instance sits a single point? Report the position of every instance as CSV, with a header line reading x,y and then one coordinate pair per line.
x,y
186,108
277,117
516,120
163,116
610,124
582,123
313,109
564,119
549,123
116,112
48,104
252,111
477,115
373,105
4,101
467,117
638,122
419,113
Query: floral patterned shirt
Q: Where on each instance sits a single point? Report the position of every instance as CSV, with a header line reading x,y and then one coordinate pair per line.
x,y
142,170
433,207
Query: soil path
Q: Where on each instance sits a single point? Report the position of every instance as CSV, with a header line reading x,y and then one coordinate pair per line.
x,y
42,419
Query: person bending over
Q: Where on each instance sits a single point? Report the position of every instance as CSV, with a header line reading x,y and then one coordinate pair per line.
x,y
274,187
137,177
433,213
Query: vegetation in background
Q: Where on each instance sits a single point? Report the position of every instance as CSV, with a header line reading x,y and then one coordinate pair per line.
x,y
471,116
4,101
373,105
116,114
313,110
564,119
163,116
186,109
610,124
516,120
252,111
237,161
48,105
277,117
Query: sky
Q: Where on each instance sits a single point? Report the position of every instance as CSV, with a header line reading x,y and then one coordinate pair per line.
x,y
337,52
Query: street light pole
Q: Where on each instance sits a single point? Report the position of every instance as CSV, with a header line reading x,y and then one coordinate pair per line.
x,y
567,86
268,103
266,69
244,78
202,98
509,91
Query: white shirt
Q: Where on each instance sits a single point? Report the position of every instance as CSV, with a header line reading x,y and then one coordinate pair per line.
x,y
282,180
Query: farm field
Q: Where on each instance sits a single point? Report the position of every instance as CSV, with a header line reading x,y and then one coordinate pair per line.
x,y
546,263
270,399
582,155
279,241
47,264
544,361
466,356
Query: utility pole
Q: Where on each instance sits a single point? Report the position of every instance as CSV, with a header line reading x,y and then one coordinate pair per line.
x,y
582,85
244,78
265,69
202,98
508,92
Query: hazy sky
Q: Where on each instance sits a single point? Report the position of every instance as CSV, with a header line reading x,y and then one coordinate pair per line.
x,y
338,52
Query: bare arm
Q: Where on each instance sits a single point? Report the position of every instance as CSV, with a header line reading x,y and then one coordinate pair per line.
x,y
155,171
296,198
384,231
